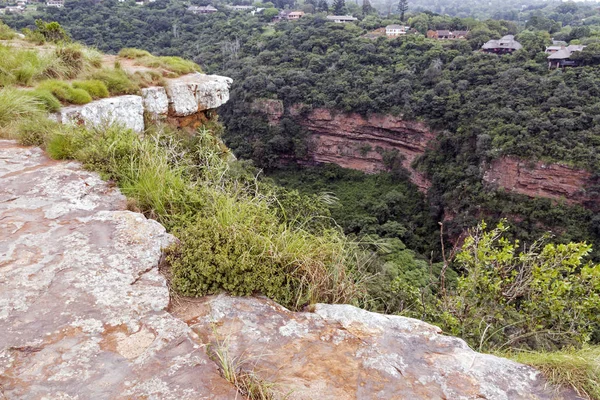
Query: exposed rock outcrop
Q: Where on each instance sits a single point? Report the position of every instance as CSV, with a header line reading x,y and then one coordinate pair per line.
x,y
83,314
82,305
340,352
126,110
353,141
184,102
537,179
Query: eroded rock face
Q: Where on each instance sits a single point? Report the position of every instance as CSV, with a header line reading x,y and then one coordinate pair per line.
x,y
342,352
537,179
82,303
125,110
353,141
192,93
185,102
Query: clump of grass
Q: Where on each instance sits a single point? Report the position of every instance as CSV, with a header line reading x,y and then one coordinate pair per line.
x,y
97,89
46,98
132,53
246,381
65,92
578,369
5,32
78,59
23,66
172,66
37,132
116,80
17,105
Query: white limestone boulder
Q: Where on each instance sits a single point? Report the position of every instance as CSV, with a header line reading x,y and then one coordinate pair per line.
x,y
125,110
156,102
192,93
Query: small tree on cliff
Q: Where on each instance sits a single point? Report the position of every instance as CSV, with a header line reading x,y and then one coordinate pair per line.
x,y
366,7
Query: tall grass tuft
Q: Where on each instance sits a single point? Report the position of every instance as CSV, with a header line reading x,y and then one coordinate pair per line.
x,y
18,105
578,369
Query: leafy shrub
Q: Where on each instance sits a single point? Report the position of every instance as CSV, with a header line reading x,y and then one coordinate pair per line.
x,y
544,297
97,89
52,31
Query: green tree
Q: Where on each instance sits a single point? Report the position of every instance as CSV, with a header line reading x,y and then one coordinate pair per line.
x,y
366,7
402,7
338,6
545,296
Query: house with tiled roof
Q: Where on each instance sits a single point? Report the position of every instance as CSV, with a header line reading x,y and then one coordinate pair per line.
x,y
506,45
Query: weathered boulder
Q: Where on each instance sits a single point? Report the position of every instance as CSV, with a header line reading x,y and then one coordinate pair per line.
x,y
83,305
182,102
125,110
192,93
156,102
342,352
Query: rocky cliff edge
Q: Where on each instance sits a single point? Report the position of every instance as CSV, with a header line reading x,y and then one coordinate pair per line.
x,y
84,314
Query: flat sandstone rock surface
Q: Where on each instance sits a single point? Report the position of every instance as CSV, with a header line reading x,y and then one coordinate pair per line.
x,y
82,304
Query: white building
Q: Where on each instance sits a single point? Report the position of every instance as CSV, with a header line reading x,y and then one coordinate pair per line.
x,y
396,30
55,3
341,19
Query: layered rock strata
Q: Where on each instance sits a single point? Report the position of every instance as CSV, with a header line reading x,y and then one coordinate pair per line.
x,y
353,141
184,102
537,179
83,305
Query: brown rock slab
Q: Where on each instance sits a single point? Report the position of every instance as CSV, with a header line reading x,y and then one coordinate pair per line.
x,y
342,352
82,304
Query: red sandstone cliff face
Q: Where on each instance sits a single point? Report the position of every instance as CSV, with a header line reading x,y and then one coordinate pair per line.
x,y
353,141
554,181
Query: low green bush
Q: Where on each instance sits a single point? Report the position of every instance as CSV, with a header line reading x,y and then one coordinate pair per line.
x,y
116,80
37,131
50,103
97,89
79,96
65,92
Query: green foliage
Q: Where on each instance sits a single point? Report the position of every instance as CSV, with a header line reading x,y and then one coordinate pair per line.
x,y
52,31
65,92
116,80
5,32
46,98
23,67
544,296
578,369
97,89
